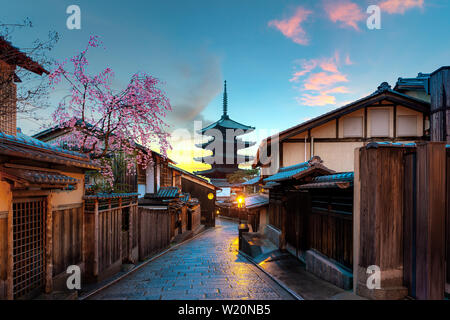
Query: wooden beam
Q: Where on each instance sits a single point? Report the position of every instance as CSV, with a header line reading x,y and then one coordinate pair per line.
x,y
430,244
281,154
10,259
319,140
395,121
365,122
49,246
337,128
96,239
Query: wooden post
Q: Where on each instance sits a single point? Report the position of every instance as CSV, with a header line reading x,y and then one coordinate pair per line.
x,y
381,222
130,231
283,224
49,246
109,216
356,218
9,272
430,244
440,105
96,235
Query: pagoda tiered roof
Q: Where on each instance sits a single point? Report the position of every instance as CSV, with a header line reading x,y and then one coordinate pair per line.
x,y
225,122
221,154
240,144
211,158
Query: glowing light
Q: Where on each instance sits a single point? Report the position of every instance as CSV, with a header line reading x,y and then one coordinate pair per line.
x,y
241,201
210,196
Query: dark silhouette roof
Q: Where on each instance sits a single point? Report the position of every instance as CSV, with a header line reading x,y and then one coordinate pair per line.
x,y
419,83
14,56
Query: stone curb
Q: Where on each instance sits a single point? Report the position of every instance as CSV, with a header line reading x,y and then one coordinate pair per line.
x,y
280,283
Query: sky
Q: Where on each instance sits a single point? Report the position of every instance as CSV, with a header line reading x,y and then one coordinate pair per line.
x,y
284,61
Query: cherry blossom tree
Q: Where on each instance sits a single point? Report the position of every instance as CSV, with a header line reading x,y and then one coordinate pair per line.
x,y
101,120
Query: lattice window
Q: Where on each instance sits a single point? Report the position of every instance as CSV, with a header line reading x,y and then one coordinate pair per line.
x,y
29,246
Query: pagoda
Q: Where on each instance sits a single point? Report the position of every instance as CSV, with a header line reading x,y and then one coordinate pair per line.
x,y
224,145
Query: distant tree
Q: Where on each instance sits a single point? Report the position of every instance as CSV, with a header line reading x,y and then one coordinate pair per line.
x,y
32,94
242,175
100,120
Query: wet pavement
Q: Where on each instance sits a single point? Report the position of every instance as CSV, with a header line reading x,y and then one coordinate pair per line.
x,y
207,267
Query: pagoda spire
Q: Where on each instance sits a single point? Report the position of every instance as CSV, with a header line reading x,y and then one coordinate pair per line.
x,y
225,99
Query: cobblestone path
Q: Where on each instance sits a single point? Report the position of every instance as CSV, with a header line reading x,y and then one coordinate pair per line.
x,y
207,267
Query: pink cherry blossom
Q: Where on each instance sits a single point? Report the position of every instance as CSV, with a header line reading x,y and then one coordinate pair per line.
x,y
102,120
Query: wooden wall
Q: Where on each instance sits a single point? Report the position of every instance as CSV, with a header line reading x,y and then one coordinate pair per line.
x,y
201,193
194,217
67,238
153,231
331,224
447,255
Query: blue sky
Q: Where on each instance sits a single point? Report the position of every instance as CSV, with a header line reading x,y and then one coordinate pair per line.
x,y
257,46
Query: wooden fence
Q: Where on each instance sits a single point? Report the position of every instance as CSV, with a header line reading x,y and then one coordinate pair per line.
x,y
154,231
110,235
67,238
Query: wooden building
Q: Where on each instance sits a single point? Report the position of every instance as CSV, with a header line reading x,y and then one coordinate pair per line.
x,y
41,198
385,115
200,189
41,214
387,205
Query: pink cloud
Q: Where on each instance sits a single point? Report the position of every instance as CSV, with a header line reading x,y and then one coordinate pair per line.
x,y
329,65
337,90
347,12
322,80
316,100
400,6
292,28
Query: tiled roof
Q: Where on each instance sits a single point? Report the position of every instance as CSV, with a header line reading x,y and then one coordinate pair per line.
x,y
344,176
286,173
24,146
339,180
27,176
256,201
271,184
419,83
389,144
227,123
111,195
251,182
168,192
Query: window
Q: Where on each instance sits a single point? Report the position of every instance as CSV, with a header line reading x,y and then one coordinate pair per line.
x,y
353,127
379,123
407,126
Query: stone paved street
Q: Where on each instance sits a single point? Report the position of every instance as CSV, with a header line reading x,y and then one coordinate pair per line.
x,y
207,267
